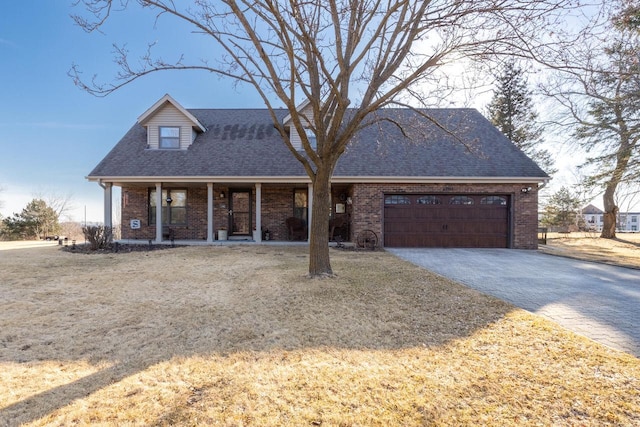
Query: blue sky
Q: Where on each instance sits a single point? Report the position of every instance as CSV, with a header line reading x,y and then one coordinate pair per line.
x,y
52,133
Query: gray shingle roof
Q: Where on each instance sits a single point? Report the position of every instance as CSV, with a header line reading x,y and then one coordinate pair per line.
x,y
244,143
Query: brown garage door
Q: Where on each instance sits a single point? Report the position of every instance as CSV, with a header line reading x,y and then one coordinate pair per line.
x,y
446,220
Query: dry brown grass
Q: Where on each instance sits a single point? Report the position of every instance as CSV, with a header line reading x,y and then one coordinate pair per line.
x,y
623,251
237,336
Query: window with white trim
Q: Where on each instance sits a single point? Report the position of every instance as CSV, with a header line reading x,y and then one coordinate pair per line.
x,y
170,137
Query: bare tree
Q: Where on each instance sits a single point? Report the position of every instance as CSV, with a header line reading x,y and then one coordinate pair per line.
x,y
628,195
599,88
61,204
346,58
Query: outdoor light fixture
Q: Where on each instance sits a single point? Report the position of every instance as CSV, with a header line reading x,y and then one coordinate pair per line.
x,y
526,189
169,200
222,194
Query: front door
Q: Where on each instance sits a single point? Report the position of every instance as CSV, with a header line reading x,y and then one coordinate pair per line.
x,y
240,212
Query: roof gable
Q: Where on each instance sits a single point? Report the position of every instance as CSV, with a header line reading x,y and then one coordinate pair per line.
x,y
303,110
590,210
160,104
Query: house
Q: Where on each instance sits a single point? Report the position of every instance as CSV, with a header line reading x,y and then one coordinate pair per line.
x,y
433,177
625,222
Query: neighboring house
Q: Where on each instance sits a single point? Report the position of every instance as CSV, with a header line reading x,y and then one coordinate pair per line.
x,y
449,181
625,222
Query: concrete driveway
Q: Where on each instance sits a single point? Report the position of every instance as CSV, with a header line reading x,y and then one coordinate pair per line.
x,y
599,301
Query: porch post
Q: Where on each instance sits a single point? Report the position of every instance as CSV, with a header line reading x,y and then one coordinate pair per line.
x,y
158,212
258,232
309,209
210,212
108,204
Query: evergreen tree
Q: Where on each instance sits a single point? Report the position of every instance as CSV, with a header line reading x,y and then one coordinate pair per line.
x,y
629,15
36,220
562,209
511,111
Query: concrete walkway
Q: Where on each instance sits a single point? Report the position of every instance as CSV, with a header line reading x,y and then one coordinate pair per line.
x,y
599,301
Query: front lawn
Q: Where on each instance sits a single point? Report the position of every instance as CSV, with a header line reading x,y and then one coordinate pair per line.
x,y
238,336
624,250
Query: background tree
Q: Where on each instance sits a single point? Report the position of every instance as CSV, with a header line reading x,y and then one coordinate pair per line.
x,y
37,220
62,204
562,209
511,110
346,58
601,94
629,15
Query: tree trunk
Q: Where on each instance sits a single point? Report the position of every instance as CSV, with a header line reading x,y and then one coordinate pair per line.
x,y
610,209
319,263
610,212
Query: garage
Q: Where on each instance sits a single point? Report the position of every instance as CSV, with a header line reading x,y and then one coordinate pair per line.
x,y
446,220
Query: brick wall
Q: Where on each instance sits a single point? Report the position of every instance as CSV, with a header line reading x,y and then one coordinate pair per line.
x,y
368,206
135,205
277,206
366,212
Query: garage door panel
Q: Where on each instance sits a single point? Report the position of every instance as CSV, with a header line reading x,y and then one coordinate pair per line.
x,y
470,222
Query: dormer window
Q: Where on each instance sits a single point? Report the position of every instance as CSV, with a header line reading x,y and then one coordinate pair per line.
x,y
311,136
169,137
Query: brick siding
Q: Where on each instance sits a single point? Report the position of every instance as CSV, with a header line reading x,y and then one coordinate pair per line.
x,y
277,206
368,206
366,210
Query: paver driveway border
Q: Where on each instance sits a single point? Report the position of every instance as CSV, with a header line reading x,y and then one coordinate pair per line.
x,y
596,300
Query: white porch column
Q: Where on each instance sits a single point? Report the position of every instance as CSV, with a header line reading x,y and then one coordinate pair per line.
x,y
108,204
158,212
210,212
309,209
258,233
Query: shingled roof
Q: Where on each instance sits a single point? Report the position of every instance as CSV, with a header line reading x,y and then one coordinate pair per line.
x,y
239,143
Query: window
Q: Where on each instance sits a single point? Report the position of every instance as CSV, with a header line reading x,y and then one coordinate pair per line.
x,y
311,136
174,207
461,200
169,137
493,200
300,203
397,200
429,200
634,219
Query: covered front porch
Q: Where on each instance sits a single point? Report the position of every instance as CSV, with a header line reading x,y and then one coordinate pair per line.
x,y
169,212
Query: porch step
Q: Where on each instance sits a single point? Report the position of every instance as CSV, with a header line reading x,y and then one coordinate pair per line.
x,y
240,238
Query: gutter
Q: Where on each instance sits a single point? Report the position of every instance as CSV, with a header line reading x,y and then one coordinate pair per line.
x,y
541,181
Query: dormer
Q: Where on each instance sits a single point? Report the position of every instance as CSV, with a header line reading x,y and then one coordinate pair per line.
x,y
306,115
169,125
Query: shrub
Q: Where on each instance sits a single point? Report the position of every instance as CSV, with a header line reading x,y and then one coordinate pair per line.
x,y
98,236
